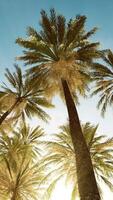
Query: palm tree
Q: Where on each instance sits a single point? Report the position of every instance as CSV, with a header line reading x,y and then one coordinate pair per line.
x,y
104,82
21,98
19,167
61,159
63,53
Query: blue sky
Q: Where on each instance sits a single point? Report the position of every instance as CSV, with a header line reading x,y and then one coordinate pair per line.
x,y
16,15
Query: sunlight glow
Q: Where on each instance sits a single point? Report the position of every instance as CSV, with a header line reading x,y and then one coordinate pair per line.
x,y
61,191
59,117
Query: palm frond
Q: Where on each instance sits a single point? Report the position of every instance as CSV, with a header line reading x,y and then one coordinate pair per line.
x,y
62,157
58,48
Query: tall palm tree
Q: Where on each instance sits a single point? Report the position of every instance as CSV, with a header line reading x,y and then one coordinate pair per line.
x,y
104,82
63,52
19,167
61,159
22,99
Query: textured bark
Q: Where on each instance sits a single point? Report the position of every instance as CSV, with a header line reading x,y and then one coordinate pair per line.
x,y
87,185
3,117
13,197
14,194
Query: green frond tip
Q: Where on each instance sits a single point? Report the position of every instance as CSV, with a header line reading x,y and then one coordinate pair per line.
x,y
91,32
31,32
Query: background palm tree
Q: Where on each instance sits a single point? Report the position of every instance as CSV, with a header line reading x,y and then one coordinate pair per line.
x,y
63,53
19,163
61,160
104,82
21,98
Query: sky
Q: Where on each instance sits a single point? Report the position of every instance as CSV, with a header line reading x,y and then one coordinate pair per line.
x,y
17,15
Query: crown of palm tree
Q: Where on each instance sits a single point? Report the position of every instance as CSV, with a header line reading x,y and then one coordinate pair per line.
x,y
30,98
61,160
19,174
23,138
62,50
104,82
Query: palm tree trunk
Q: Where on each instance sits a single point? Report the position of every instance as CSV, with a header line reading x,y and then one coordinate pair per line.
x,y
87,185
3,117
13,197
